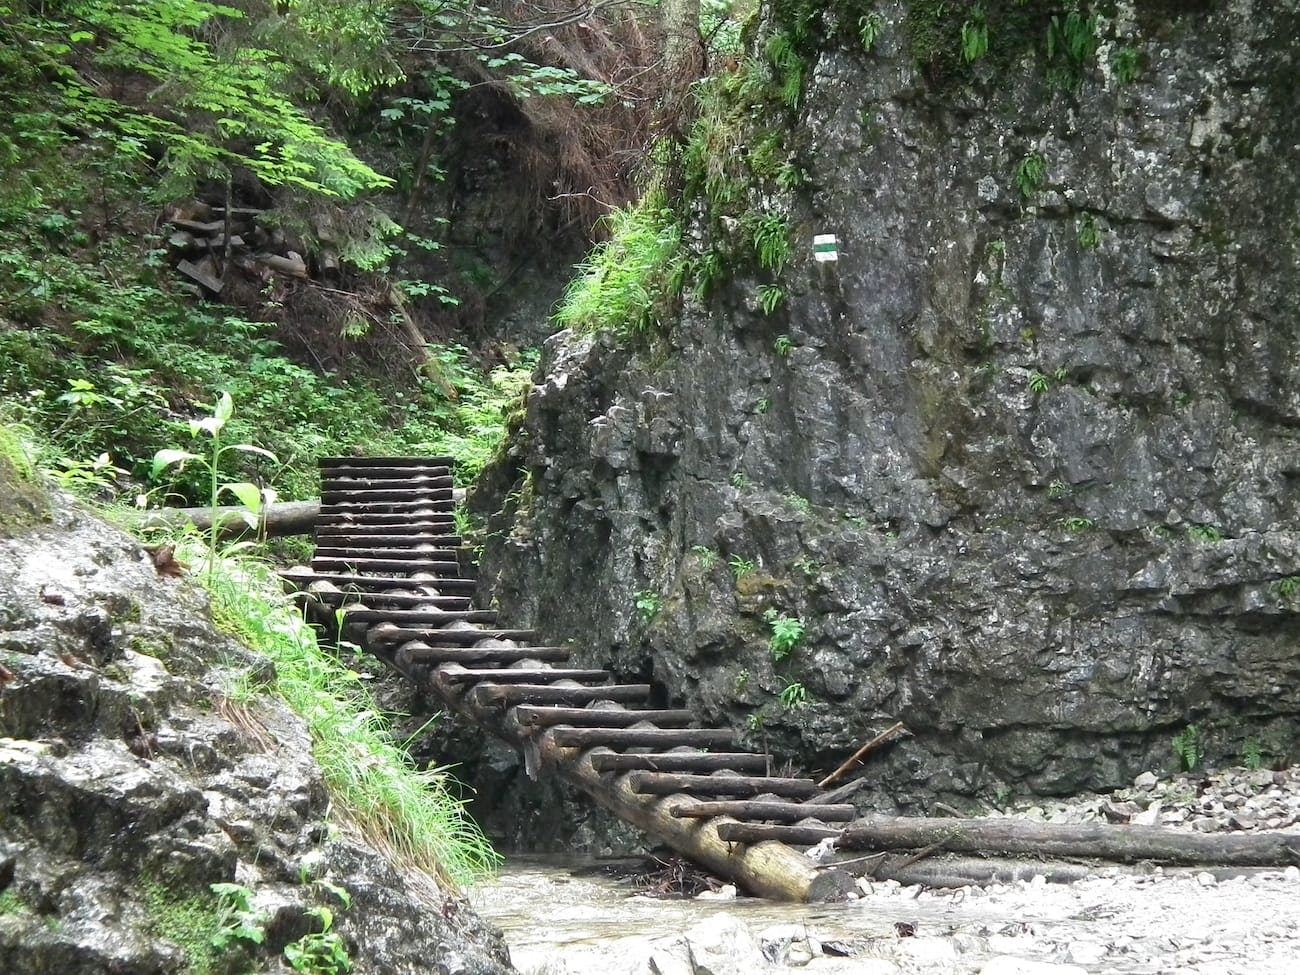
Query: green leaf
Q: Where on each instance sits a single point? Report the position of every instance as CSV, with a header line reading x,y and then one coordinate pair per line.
x,y
249,495
209,424
166,458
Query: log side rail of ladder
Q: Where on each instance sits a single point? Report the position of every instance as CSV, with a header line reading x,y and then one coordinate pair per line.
x,y
395,589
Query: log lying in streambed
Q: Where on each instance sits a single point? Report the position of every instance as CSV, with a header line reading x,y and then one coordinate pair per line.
x,y
1116,843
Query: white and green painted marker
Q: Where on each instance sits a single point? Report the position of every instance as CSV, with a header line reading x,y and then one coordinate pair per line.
x,y
824,248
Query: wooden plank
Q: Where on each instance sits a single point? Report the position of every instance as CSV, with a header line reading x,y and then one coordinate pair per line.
x,y
642,737
421,615
763,832
388,633
533,716
668,783
414,481
387,565
416,654
370,583
518,675
325,463
680,762
492,695
387,507
382,474
398,492
339,597
338,536
343,554
758,809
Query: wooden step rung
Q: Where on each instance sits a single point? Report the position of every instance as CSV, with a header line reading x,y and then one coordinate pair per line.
x,y
414,493
680,762
432,505
440,569
641,737
383,474
762,832
333,525
429,553
340,598
440,460
389,633
370,583
490,695
668,783
420,654
761,809
399,616
381,540
518,675
540,717
420,481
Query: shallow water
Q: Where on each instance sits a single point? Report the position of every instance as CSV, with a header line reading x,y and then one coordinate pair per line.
x,y
569,922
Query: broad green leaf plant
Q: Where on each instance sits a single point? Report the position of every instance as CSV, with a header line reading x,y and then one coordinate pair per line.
x,y
247,494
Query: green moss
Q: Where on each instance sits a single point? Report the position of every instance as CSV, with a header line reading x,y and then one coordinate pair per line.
x,y
188,921
11,903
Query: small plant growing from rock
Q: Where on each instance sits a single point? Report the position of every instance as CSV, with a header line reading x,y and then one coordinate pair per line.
x,y
1030,175
870,27
1126,62
322,952
787,634
1188,748
740,567
1287,589
798,502
1077,526
975,36
708,557
1089,233
783,345
1205,533
1039,382
770,297
240,920
648,605
1252,754
794,696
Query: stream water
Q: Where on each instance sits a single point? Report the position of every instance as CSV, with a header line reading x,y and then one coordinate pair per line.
x,y
566,920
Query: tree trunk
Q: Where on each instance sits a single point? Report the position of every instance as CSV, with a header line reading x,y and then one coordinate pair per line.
x,y
1123,844
282,518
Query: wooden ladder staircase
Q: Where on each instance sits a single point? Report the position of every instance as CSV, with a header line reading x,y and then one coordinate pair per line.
x,y
387,575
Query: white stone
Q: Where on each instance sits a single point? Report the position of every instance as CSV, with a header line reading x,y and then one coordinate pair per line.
x,y
1146,781
1086,953
1206,879
930,952
722,945
727,892
1008,965
1292,874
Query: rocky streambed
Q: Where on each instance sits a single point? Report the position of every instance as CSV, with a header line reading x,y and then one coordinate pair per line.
x,y
566,922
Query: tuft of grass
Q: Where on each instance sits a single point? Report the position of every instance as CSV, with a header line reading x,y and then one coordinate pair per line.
x,y
409,814
189,922
629,281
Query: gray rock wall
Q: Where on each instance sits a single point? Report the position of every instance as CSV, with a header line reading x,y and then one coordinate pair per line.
x,y
128,786
1027,471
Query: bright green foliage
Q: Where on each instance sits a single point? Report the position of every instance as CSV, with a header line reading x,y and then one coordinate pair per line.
x,y
787,634
975,36
1078,526
1089,232
708,557
1039,382
1030,175
770,297
411,814
870,27
629,283
1252,754
1188,748
1204,533
648,604
1126,62
239,919
783,346
794,696
742,567
321,952
224,108
771,235
1072,39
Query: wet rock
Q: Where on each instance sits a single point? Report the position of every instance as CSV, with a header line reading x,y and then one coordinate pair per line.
x,y
129,786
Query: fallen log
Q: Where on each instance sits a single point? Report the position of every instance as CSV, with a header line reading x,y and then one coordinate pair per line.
x,y
281,518
981,872
1119,843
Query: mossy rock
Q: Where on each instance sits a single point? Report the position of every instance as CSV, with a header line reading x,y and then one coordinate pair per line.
x,y
23,502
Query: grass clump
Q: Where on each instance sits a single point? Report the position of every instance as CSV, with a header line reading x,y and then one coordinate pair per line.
x,y
631,280
407,813
191,922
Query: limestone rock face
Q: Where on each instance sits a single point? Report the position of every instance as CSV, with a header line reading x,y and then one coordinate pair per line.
x,y
128,787
1022,462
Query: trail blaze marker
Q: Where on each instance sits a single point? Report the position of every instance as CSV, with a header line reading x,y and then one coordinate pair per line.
x,y
824,248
